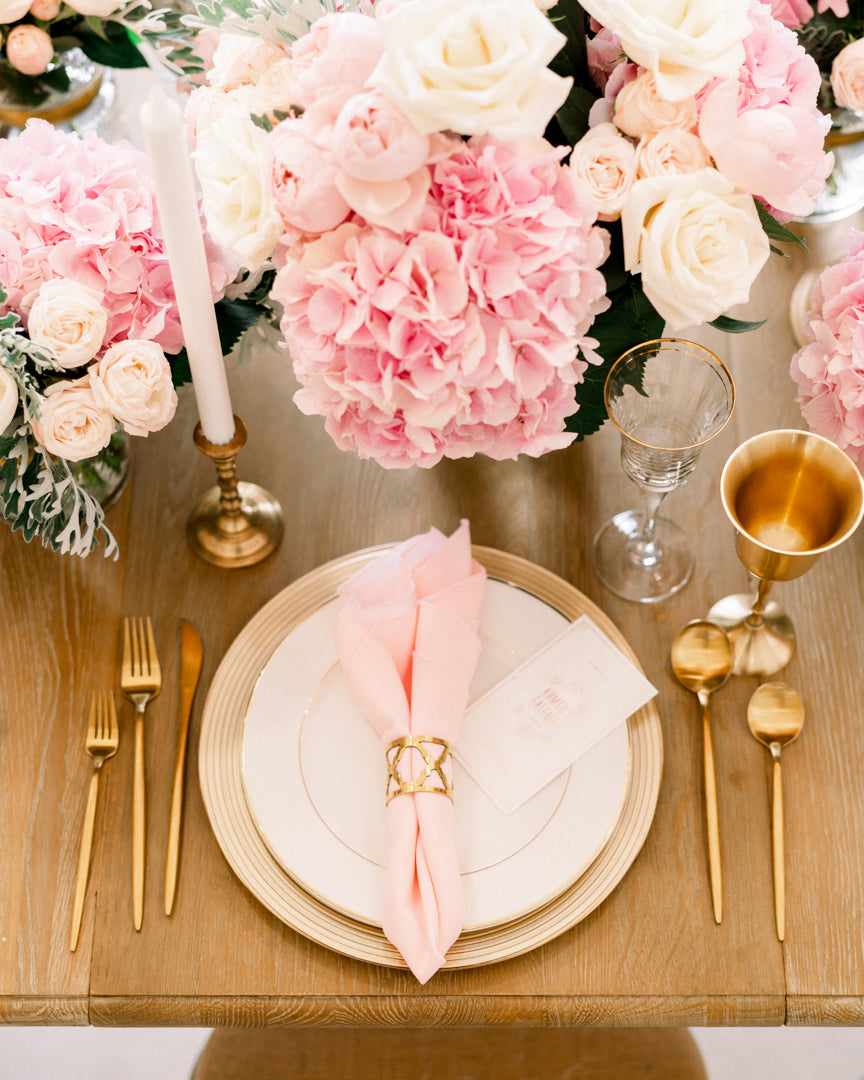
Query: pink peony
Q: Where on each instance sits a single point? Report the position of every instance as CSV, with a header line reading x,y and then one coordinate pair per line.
x,y
78,208
829,371
460,335
337,56
374,142
303,179
765,132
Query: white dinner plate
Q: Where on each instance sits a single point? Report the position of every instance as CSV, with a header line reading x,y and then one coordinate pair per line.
x,y
314,777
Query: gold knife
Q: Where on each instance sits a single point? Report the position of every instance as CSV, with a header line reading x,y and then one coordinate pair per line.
x,y
190,669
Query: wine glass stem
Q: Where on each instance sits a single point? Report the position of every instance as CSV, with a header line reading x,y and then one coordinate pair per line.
x,y
757,614
643,547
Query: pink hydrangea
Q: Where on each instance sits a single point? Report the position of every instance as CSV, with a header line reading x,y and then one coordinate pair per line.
x,y
792,13
829,371
462,335
79,208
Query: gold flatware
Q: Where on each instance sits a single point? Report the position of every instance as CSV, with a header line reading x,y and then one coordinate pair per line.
x,y
702,661
191,653
103,737
140,681
775,717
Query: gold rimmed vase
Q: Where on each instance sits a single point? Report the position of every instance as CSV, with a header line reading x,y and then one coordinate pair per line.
x,y
791,496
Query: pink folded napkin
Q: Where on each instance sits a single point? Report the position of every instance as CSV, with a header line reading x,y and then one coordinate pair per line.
x,y
406,636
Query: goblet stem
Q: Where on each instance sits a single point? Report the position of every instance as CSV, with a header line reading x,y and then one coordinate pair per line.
x,y
756,619
643,546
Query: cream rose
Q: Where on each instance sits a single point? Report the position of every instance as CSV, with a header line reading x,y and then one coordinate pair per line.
x,y
132,380
70,424
232,161
100,8
641,111
697,241
69,319
847,76
46,10
13,10
606,161
8,399
685,45
671,151
472,66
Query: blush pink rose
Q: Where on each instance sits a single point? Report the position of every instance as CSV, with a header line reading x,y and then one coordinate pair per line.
x,y
29,49
606,161
132,380
847,76
640,110
70,423
671,150
303,179
45,10
374,141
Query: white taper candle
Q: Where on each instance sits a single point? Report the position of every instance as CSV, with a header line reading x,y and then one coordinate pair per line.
x,y
165,139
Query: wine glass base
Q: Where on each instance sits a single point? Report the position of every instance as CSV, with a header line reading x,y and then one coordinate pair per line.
x,y
758,651
627,575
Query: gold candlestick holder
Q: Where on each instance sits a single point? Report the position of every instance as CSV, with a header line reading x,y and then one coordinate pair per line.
x,y
236,523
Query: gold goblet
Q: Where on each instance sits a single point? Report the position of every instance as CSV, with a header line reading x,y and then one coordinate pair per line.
x,y
791,496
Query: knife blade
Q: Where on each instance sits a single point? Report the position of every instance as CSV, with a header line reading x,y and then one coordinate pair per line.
x,y
191,653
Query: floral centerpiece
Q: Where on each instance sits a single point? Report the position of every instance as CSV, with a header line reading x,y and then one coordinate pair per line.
x,y
474,206
89,329
829,368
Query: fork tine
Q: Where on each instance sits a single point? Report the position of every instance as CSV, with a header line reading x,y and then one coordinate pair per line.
x,y
127,648
152,655
91,723
113,732
136,646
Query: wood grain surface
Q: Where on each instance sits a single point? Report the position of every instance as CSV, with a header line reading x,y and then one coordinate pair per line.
x,y
650,955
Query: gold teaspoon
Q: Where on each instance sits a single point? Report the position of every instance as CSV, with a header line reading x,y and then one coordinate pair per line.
x,y
775,717
702,660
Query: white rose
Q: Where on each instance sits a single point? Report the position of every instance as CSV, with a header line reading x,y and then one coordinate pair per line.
x,y
606,161
232,162
69,319
472,66
671,151
847,76
101,8
8,399
240,60
70,424
685,45
132,380
640,110
13,10
698,242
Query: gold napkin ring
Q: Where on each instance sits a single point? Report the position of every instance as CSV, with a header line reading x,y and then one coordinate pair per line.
x,y
432,776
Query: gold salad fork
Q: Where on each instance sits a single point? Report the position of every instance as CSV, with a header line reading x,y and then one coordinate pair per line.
x,y
140,681
102,740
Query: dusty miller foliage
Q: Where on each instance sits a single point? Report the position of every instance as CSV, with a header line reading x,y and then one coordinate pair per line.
x,y
266,19
39,496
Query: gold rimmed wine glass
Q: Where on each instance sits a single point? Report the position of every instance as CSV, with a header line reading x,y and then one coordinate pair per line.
x,y
667,398
791,495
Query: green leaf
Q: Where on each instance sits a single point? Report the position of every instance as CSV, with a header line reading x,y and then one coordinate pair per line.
x,y
181,373
630,320
572,117
735,326
774,230
118,51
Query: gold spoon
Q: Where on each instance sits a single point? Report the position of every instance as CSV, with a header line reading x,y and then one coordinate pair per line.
x,y
702,660
775,717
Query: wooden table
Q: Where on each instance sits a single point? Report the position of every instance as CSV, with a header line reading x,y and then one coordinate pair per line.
x,y
649,955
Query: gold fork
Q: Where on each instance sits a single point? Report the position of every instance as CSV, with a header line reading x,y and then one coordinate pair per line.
x,y
102,740
140,681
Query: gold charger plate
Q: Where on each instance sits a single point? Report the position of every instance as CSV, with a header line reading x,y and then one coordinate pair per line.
x,y
222,784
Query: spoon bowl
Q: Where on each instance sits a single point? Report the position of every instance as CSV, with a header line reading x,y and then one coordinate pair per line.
x,y
702,661
775,717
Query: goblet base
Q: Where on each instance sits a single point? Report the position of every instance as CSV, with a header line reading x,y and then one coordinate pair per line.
x,y
760,650
638,570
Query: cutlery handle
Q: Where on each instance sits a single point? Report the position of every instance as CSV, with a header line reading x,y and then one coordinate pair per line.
x,y
777,851
172,859
138,824
711,817
84,860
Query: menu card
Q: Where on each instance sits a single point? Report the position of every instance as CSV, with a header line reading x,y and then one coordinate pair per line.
x,y
549,711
